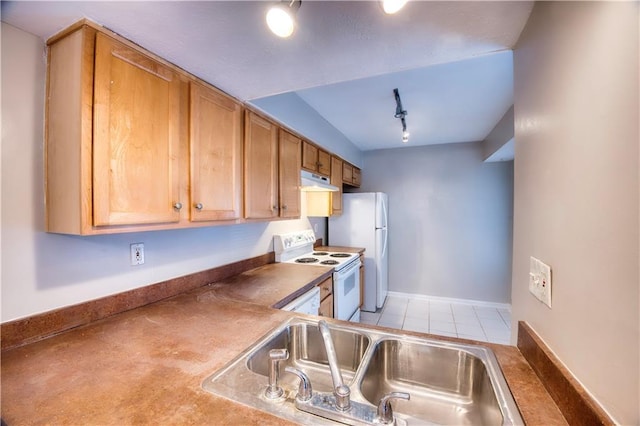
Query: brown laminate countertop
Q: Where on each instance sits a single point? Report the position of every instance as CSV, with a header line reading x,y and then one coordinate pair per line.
x,y
339,248
146,366
274,284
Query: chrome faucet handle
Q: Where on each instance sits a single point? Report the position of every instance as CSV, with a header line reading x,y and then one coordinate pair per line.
x,y
385,412
305,392
274,391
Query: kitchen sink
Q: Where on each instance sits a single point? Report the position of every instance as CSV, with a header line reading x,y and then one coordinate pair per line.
x,y
448,383
306,352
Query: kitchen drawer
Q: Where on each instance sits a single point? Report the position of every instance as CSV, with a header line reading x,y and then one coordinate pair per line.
x,y
326,288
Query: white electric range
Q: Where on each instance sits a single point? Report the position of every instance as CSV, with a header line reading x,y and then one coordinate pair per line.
x,y
297,247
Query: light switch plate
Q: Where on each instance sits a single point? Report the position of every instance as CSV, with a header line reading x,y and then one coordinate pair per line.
x,y
540,280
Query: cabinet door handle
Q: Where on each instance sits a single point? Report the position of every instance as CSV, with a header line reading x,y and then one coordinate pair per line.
x,y
177,205
284,207
198,206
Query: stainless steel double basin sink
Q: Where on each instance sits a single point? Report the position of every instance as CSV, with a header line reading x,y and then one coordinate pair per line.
x,y
448,383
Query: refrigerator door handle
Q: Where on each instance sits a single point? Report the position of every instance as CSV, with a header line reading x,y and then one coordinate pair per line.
x,y
384,213
384,242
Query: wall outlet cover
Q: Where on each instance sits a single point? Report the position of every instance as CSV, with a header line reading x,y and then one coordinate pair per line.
x,y
540,280
137,254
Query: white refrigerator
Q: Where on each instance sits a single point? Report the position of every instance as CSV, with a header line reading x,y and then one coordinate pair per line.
x,y
363,223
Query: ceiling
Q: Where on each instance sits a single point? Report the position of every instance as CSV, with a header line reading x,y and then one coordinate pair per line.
x,y
451,61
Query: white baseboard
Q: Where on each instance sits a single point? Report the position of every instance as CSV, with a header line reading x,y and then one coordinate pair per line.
x,y
496,305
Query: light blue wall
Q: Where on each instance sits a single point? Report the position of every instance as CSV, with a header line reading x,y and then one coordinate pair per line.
x,y
294,112
450,220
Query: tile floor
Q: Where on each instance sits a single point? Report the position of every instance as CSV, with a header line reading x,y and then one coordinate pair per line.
x,y
446,319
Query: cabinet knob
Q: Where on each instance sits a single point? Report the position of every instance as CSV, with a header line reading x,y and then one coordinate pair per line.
x,y
198,206
177,205
275,208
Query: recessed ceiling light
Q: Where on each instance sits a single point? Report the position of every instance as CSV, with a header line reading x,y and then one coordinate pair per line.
x,y
281,17
392,6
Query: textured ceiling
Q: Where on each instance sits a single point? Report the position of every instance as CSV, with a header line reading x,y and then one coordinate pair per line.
x,y
228,45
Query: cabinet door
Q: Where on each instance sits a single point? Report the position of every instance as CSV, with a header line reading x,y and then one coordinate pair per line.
x,y
324,163
289,174
347,173
215,142
260,168
309,157
135,138
336,179
356,177
326,307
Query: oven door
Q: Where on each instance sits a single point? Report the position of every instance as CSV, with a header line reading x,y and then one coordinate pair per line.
x,y
346,291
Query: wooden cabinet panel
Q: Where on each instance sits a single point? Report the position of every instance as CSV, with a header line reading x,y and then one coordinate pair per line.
x,y
324,163
326,288
136,137
69,136
215,142
260,168
309,157
336,179
326,298
347,173
326,307
356,177
315,160
289,174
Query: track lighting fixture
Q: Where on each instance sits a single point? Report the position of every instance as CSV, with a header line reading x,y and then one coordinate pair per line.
x,y
401,114
281,17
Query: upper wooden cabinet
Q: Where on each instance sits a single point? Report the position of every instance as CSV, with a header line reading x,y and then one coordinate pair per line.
x,y
336,179
272,170
289,174
260,168
136,138
215,152
133,143
113,137
350,174
315,159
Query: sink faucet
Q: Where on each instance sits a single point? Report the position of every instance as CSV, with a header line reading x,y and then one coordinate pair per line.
x,y
340,390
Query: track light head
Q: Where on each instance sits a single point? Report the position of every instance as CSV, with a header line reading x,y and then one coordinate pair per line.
x,y
281,17
401,114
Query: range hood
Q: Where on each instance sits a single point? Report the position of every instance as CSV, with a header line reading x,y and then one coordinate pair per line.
x,y
312,182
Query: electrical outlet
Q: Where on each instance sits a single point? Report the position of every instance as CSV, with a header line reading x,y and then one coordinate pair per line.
x,y
137,254
540,280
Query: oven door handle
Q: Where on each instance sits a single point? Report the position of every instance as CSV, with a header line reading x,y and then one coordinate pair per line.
x,y
348,269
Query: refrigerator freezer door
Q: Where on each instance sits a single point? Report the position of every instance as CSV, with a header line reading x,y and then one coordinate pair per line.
x,y
382,272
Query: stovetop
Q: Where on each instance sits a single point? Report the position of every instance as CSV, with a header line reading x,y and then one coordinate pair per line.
x,y
297,247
